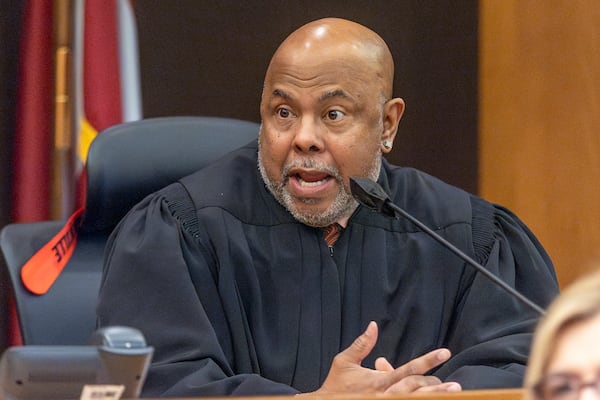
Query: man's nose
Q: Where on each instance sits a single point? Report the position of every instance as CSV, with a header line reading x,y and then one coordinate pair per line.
x,y
308,137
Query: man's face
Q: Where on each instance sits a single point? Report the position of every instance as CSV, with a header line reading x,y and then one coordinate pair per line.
x,y
321,124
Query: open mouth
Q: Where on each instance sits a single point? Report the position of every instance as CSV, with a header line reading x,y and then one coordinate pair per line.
x,y
311,179
310,182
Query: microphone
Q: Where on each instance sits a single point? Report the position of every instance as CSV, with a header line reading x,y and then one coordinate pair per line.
x,y
371,195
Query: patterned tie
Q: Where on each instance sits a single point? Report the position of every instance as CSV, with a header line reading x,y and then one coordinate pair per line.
x,y
332,233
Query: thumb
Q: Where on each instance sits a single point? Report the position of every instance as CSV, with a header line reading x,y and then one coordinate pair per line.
x,y
382,364
362,345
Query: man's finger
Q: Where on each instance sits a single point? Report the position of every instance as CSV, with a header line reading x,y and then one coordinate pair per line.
x,y
362,345
382,364
420,365
442,387
413,383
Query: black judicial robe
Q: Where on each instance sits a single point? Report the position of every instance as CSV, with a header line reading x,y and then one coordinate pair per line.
x,y
238,298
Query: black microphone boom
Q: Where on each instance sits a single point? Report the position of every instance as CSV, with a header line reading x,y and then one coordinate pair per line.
x,y
372,196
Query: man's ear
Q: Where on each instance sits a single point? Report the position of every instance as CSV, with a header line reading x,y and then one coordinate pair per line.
x,y
392,113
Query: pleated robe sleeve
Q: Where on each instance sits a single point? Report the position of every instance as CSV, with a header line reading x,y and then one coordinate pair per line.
x,y
150,254
492,330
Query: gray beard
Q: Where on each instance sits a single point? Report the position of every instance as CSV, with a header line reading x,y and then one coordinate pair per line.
x,y
343,205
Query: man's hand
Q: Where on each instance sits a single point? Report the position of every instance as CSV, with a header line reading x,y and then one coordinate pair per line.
x,y
414,381
348,376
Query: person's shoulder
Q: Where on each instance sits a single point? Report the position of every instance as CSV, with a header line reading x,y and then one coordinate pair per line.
x,y
232,185
402,178
422,192
233,172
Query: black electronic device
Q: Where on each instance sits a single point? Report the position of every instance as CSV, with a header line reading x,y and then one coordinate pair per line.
x,y
116,355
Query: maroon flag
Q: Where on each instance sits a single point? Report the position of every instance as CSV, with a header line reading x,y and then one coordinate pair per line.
x,y
34,125
105,74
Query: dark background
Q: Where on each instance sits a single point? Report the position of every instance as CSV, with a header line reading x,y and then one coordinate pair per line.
x,y
201,57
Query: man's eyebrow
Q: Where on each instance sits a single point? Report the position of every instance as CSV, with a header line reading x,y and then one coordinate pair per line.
x,y
282,94
334,93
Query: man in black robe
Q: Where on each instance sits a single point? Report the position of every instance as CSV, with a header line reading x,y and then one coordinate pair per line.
x,y
260,274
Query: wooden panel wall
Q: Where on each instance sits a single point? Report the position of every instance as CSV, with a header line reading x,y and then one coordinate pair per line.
x,y
540,122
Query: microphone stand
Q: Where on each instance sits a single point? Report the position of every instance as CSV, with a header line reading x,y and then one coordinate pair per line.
x,y
372,196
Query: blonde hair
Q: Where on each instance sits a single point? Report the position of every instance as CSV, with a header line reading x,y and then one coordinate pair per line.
x,y
578,302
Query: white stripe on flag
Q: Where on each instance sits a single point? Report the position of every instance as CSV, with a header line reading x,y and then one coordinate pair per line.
x,y
129,62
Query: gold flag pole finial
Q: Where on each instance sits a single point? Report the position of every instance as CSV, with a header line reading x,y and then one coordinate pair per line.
x,y
63,160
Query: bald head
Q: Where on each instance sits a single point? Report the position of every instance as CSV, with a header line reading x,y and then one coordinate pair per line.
x,y
336,42
327,115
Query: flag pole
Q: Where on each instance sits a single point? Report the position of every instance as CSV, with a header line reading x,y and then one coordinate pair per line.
x,y
63,156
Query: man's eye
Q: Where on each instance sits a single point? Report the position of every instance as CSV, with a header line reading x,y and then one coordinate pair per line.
x,y
283,112
335,115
